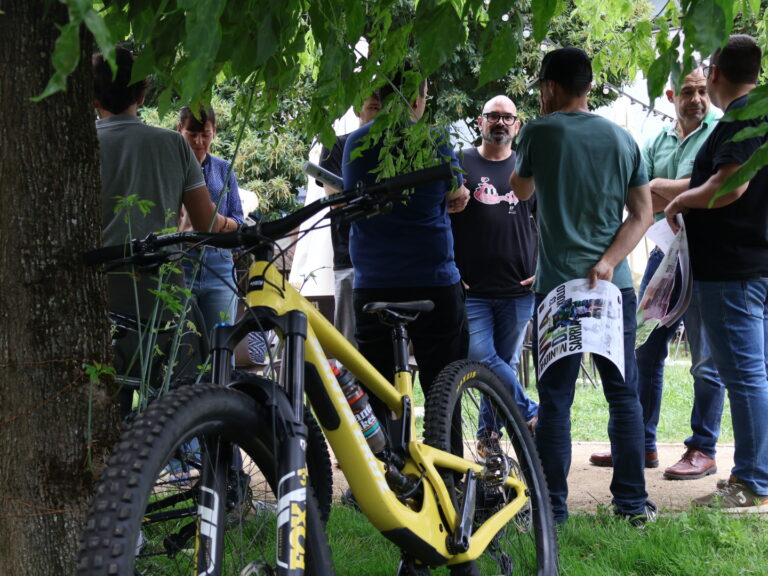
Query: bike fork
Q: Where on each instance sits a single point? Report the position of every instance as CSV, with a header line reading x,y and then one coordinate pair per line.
x,y
291,454
292,459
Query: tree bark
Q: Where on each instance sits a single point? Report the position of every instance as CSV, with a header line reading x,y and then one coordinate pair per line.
x,y
52,307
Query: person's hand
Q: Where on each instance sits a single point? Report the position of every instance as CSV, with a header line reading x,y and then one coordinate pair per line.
x,y
185,224
600,271
672,210
458,200
528,281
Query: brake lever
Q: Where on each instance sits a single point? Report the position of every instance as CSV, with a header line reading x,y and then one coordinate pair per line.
x,y
364,207
146,261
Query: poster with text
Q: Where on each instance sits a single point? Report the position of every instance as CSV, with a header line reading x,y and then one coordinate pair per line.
x,y
575,318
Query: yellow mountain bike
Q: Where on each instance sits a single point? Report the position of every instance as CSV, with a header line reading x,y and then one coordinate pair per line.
x,y
233,477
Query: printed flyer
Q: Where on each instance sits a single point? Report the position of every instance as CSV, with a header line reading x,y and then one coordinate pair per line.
x,y
657,307
575,318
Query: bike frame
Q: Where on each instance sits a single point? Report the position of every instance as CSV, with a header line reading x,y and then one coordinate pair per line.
x,y
309,340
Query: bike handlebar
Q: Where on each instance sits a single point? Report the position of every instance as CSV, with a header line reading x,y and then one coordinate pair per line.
x,y
361,201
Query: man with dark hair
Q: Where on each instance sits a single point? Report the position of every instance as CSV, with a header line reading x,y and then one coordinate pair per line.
x,y
407,254
669,160
728,243
147,173
495,239
143,161
586,171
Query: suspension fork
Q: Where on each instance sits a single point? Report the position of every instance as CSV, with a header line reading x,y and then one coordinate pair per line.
x,y
292,458
291,455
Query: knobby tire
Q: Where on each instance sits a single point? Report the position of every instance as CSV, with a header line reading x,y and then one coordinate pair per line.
x,y
144,511
528,544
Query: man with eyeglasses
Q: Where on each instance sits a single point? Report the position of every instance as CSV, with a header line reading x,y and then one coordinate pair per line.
x,y
728,243
495,244
583,185
669,160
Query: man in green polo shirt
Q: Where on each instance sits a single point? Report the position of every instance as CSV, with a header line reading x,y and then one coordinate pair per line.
x,y
669,159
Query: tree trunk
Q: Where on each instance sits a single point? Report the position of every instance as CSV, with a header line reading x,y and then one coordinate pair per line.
x,y
52,307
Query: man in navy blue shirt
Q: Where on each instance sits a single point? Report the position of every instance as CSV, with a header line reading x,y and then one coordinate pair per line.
x,y
407,254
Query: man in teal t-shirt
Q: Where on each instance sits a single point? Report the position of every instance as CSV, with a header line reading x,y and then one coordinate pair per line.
x,y
586,171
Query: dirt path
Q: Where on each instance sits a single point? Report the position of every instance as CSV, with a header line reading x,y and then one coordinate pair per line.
x,y
589,484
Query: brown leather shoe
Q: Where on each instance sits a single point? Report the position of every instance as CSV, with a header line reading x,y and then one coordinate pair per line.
x,y
605,459
694,464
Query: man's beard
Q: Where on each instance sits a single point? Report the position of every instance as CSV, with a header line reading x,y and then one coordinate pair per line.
x,y
498,138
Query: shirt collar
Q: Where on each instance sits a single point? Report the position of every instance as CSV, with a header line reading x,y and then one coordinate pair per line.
x,y
117,119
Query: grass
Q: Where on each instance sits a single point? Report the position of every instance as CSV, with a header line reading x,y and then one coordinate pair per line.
x,y
694,543
589,413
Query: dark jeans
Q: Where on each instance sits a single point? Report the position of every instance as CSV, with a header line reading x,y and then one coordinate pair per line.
x,y
439,337
708,389
625,423
652,354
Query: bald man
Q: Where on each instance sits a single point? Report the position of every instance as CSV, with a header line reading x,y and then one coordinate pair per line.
x,y
495,244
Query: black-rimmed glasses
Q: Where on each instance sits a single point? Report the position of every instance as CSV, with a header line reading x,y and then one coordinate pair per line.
x,y
706,69
494,117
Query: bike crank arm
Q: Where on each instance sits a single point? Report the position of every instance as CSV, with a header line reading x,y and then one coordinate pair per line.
x,y
458,542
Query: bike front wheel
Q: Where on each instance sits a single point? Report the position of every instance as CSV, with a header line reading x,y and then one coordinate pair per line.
x,y
470,412
196,470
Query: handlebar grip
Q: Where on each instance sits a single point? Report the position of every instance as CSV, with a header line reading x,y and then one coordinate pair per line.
x,y
413,179
105,254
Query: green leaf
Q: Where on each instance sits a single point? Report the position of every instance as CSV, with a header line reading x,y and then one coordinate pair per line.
x,y
751,132
543,11
66,55
202,40
501,57
101,34
757,106
355,20
744,174
441,31
707,23
659,72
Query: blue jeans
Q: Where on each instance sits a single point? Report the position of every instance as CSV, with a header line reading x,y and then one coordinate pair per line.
x,y
709,392
625,423
496,333
708,387
735,319
211,286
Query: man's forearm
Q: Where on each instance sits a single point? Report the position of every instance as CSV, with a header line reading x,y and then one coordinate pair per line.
x,y
668,188
627,238
523,187
639,219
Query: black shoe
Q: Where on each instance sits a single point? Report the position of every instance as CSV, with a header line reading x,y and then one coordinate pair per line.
x,y
640,520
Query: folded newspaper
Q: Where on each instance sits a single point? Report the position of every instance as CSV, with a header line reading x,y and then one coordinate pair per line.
x,y
575,318
656,307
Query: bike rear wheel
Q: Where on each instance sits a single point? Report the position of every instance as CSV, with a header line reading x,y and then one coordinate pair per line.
x,y
452,422
174,470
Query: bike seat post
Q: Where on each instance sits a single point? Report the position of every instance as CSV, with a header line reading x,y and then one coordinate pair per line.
x,y
400,343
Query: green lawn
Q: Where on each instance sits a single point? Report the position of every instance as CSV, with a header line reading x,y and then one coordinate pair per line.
x,y
692,543
590,410
695,543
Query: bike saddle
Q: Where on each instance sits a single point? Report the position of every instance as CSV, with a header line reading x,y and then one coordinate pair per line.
x,y
399,312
